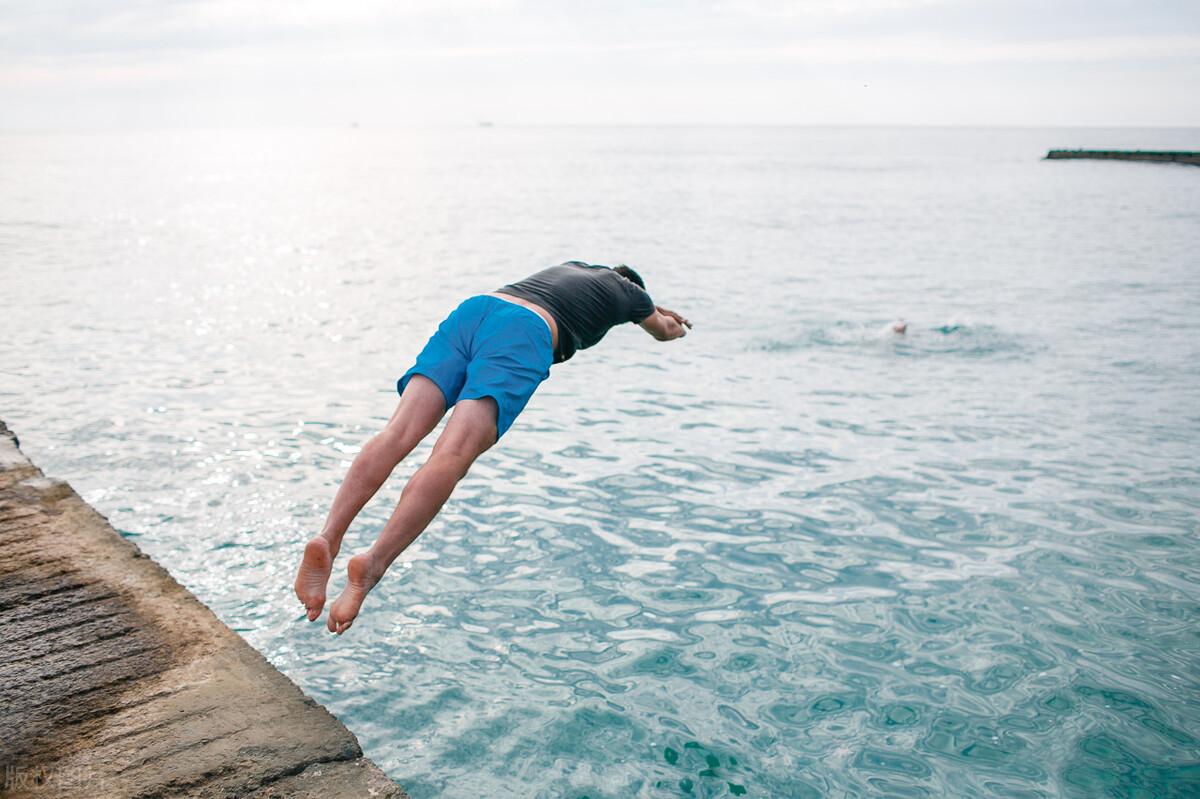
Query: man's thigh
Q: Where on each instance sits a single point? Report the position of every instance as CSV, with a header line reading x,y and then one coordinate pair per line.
x,y
421,407
471,430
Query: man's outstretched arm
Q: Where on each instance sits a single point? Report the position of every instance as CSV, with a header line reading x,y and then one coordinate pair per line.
x,y
665,324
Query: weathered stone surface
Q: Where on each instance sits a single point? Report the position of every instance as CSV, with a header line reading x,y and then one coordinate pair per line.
x,y
116,682
342,780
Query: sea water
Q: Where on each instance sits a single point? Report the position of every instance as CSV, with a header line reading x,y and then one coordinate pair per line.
x,y
794,554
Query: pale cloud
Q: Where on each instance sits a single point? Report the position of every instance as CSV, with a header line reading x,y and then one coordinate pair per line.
x,y
80,62
808,9
933,50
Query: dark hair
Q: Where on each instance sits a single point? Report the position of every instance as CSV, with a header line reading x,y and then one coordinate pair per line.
x,y
628,273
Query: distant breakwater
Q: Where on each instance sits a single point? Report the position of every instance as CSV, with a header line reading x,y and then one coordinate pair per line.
x,y
1172,156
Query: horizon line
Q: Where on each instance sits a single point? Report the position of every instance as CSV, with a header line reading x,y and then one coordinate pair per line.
x,y
493,125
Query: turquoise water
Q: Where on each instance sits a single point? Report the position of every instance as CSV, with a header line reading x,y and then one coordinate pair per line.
x,y
792,555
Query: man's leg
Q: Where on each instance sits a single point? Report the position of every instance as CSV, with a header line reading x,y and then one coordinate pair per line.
x,y
469,433
421,406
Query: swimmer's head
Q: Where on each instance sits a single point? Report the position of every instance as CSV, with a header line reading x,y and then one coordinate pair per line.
x,y
900,327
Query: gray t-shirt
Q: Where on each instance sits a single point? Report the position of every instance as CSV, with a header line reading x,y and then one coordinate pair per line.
x,y
585,300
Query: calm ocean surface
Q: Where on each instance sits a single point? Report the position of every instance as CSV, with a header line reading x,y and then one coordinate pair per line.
x,y
791,555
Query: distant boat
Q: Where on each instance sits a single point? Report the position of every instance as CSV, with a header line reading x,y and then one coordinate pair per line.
x,y
485,124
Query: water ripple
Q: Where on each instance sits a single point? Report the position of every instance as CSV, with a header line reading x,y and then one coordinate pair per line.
x,y
793,555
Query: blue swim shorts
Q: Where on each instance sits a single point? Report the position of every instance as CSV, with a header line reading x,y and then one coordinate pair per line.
x,y
487,347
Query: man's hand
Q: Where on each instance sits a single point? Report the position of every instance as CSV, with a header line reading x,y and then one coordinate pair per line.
x,y
665,325
673,315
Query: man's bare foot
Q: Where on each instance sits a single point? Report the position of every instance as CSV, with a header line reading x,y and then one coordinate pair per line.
x,y
360,580
313,576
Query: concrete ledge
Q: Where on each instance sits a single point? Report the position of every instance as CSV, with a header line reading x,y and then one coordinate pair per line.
x,y
117,682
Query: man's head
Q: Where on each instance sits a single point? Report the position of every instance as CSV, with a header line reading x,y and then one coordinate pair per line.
x,y
630,275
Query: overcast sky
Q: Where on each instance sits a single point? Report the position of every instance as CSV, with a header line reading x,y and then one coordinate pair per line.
x,y
170,63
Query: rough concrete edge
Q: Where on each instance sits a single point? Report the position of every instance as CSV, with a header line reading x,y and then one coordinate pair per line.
x,y
342,778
